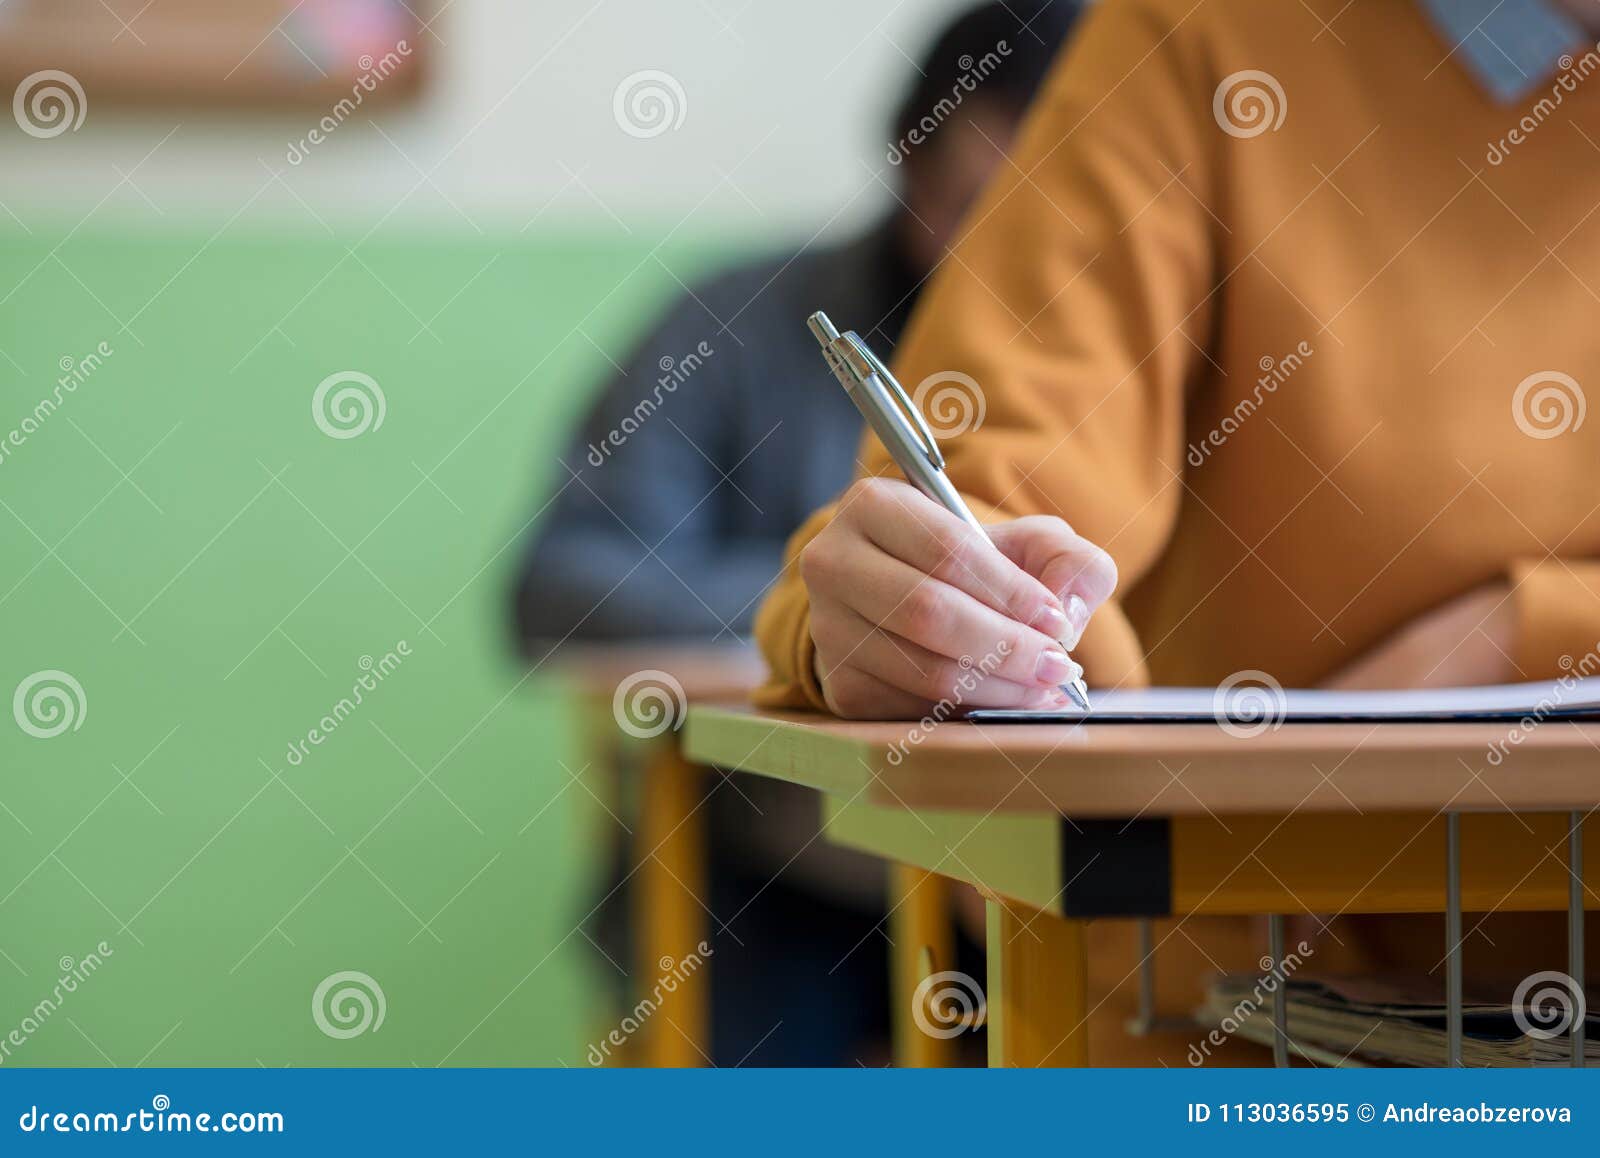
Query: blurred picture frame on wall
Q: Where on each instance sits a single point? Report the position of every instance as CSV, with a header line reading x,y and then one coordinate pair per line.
x,y
233,53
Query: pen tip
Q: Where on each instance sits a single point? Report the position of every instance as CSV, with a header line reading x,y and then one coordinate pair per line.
x,y
1077,693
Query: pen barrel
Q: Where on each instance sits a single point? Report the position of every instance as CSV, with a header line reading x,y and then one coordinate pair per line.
x,y
876,407
938,487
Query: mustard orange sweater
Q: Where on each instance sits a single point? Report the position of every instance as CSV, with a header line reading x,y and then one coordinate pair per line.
x,y
1304,382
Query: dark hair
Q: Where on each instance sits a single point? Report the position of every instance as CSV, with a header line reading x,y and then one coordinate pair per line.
x,y
969,47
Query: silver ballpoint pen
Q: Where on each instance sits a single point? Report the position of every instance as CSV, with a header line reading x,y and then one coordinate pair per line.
x,y
899,425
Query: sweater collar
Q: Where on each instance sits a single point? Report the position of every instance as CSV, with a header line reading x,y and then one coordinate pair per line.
x,y
1508,46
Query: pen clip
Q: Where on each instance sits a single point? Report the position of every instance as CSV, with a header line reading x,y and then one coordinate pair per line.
x,y
930,445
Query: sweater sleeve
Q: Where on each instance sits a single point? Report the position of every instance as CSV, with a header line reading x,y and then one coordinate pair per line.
x,y
1557,604
1053,347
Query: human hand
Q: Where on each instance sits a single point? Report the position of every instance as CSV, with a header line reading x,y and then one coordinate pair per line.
x,y
1463,642
910,606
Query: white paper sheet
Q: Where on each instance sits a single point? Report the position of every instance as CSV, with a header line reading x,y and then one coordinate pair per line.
x,y
1252,702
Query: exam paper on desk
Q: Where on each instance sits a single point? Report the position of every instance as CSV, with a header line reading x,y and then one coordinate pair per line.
x,y
1246,703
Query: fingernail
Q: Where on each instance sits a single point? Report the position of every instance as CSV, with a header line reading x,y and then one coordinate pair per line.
x,y
1054,668
1052,622
1077,619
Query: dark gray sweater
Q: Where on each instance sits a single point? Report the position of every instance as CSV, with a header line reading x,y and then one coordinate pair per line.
x,y
724,431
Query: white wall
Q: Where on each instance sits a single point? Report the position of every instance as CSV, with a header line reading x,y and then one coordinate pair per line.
x,y
784,110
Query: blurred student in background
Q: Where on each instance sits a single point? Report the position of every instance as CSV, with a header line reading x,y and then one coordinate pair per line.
x,y
723,431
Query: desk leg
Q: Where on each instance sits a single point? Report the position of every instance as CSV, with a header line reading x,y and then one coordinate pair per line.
x,y
1575,927
1038,988
923,943
1452,938
670,919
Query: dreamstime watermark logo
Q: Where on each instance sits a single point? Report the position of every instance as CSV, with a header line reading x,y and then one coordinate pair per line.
x,y
348,404
1548,404
373,673
649,103
673,974
649,703
160,1118
1573,72
373,73
1248,703
73,974
973,73
973,673
74,373
952,402
948,1003
1274,373
674,373
49,702
1248,103
1273,975
348,1004
1548,1004
48,103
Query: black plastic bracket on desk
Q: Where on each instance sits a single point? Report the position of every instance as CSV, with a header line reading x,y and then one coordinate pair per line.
x,y
1116,868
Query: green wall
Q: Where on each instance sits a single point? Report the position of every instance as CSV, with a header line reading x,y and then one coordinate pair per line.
x,y
181,538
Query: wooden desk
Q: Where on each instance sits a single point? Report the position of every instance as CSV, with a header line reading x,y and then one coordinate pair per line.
x,y
668,843
1067,824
